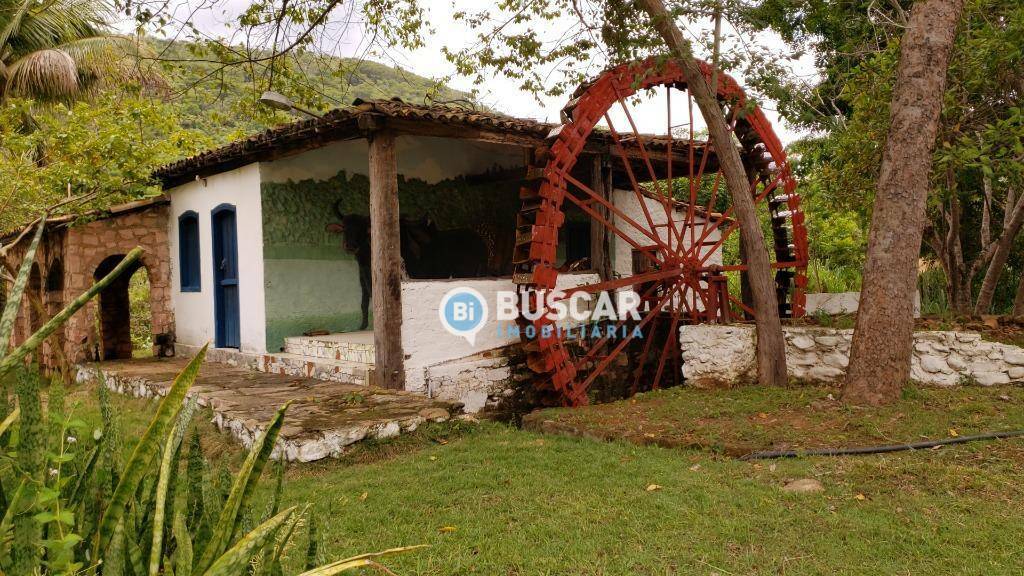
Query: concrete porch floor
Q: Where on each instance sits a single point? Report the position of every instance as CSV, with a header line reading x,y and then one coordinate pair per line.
x,y
324,418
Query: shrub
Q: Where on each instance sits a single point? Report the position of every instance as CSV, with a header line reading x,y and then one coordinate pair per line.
x,y
75,509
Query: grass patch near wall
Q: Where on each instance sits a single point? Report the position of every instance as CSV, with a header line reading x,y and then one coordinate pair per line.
x,y
491,499
745,419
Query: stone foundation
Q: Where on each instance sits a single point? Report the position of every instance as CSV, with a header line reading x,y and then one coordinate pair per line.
x,y
324,420
284,364
723,355
477,382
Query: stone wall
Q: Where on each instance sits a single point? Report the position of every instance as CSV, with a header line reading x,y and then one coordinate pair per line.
x,y
69,259
721,355
477,382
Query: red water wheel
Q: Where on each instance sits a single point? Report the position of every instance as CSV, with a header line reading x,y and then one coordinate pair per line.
x,y
627,207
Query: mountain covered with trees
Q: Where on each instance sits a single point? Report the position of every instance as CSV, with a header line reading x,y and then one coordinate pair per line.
x,y
104,143
222,101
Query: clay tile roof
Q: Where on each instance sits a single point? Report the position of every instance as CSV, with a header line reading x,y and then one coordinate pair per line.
x,y
338,124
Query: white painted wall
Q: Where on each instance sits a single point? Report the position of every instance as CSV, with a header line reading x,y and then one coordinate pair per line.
x,y
838,303
426,343
194,310
424,157
622,251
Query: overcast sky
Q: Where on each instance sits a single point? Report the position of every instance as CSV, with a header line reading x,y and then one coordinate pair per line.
x,y
498,93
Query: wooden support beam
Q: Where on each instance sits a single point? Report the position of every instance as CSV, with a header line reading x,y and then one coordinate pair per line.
x,y
386,261
600,244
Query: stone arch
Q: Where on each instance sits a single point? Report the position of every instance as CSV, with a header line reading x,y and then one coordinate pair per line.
x,y
55,276
114,314
53,300
101,244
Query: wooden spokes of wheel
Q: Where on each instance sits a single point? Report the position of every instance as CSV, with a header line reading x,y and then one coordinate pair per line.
x,y
649,213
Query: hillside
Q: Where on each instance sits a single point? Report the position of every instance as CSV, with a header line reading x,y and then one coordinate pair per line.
x,y
220,101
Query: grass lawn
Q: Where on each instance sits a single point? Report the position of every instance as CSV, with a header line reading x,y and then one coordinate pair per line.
x,y
745,419
491,499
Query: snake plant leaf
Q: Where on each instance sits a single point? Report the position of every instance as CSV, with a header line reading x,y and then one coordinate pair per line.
x,y
134,556
11,418
7,522
237,557
17,355
358,561
241,491
156,551
145,451
165,482
183,553
272,566
10,313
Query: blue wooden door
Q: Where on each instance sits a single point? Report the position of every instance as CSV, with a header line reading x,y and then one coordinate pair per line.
x,y
225,277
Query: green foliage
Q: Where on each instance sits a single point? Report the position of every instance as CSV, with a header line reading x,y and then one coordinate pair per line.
x,y
241,491
146,449
31,468
219,101
141,317
980,143
932,285
828,276
51,526
108,146
46,528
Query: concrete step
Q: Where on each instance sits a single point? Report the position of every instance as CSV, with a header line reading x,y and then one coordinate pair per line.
x,y
348,346
345,371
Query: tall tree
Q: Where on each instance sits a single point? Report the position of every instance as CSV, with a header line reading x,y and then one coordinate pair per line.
x,y
881,348
771,346
977,172
553,46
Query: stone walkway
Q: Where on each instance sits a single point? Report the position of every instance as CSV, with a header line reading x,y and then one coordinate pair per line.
x,y
324,418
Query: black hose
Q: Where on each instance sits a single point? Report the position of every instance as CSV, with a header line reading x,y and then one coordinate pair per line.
x,y
879,449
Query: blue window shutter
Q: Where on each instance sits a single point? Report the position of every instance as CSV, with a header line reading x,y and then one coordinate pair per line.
x,y
188,251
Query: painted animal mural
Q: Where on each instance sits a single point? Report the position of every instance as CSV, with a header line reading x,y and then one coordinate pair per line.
x,y
427,252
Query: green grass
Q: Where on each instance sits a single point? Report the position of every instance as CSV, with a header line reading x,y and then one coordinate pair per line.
x,y
492,499
749,418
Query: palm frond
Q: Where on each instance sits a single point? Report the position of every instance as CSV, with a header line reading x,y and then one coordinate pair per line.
x,y
46,74
58,22
12,24
114,60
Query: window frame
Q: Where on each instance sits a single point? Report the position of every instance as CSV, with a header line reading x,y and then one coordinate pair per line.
x,y
192,262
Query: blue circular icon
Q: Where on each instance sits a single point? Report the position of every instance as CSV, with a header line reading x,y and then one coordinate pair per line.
x,y
463,312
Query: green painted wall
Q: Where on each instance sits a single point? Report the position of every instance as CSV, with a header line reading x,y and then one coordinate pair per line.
x,y
310,282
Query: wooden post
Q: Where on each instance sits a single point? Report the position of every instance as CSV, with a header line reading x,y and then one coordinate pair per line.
x,y
386,261
600,246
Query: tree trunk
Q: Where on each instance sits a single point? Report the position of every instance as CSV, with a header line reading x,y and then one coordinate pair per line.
x,y
1018,300
1002,253
771,352
881,347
